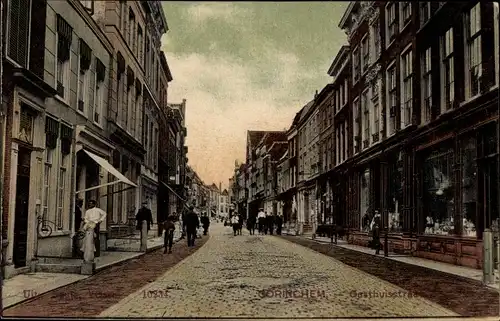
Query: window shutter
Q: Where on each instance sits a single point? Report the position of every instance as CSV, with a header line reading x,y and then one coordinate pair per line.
x,y
19,31
85,55
51,132
65,37
91,91
130,77
100,70
66,137
37,37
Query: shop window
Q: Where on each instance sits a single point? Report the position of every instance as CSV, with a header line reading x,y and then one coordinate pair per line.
x,y
439,193
469,187
395,197
365,200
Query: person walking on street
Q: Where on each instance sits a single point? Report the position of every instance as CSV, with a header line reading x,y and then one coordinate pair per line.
x,y
92,221
144,214
205,222
279,224
235,220
240,223
192,224
270,223
251,224
375,227
169,227
261,217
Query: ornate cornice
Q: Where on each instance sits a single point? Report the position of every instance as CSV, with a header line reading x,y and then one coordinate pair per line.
x,y
372,74
366,11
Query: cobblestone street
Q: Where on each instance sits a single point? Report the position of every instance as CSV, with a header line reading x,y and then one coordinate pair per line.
x,y
266,276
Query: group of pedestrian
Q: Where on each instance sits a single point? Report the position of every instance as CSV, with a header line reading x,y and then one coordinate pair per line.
x,y
267,223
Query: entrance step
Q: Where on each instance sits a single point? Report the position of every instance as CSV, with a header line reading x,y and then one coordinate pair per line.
x,y
58,268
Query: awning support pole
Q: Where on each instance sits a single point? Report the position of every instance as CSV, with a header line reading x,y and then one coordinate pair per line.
x,y
99,186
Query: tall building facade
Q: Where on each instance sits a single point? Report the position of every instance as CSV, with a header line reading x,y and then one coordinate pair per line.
x,y
76,78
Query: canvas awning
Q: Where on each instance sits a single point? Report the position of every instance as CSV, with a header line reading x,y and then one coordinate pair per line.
x,y
174,192
110,169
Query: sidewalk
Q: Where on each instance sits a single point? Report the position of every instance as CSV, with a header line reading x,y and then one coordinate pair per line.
x,y
462,271
26,286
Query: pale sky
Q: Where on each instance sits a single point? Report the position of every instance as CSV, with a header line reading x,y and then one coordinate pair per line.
x,y
245,66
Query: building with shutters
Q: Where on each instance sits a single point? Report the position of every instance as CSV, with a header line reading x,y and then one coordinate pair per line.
x,y
134,29
54,99
173,190
423,144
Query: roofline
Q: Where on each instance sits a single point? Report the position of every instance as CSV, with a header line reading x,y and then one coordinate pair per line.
x,y
344,50
347,12
164,62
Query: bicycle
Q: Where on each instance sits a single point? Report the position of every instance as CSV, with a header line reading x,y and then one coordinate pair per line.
x,y
43,228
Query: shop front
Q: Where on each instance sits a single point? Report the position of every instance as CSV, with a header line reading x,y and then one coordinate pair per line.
x,y
364,200
97,179
459,197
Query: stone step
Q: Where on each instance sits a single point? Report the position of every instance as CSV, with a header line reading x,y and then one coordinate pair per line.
x,y
58,268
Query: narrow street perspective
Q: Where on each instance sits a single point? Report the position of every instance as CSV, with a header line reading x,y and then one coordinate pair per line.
x,y
259,276
266,159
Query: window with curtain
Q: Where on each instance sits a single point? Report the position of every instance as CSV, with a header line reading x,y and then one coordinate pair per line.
x,y
448,66
392,23
427,86
407,90
357,125
365,107
474,61
392,99
64,38
355,65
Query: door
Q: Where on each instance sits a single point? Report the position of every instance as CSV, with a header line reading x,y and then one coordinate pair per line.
x,y
491,195
22,207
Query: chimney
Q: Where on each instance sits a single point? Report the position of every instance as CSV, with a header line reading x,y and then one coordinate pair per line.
x,y
316,94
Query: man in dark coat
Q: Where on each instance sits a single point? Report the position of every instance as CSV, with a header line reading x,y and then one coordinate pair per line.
x,y
169,227
270,223
192,223
205,222
240,223
376,234
251,221
279,224
144,214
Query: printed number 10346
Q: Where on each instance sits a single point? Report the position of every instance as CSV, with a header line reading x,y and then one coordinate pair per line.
x,y
154,294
